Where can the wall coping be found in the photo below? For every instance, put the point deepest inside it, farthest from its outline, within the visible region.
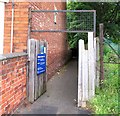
(11, 55)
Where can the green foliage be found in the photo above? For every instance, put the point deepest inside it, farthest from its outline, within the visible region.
(109, 54)
(106, 99)
(73, 39)
(107, 13)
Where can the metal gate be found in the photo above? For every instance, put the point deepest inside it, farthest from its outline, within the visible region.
(83, 22)
(86, 20)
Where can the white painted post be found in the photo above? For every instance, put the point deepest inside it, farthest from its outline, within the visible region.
(2, 10)
(81, 47)
(86, 74)
(91, 65)
(84, 77)
(95, 56)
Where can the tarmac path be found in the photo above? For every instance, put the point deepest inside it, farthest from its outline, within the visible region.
(61, 95)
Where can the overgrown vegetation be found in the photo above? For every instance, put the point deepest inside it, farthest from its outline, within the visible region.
(106, 100)
(107, 13)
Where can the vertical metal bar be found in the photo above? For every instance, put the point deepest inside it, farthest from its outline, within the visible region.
(101, 54)
(95, 23)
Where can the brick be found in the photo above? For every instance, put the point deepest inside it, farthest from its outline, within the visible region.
(20, 26)
(15, 69)
(12, 89)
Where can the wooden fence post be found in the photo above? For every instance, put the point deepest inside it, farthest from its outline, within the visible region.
(31, 71)
(91, 65)
(36, 76)
(45, 73)
(84, 77)
(101, 36)
(81, 47)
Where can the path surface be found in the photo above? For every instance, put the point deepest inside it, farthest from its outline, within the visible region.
(61, 94)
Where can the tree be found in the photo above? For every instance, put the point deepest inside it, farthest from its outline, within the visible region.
(107, 13)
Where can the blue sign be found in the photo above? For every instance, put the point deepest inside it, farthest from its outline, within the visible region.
(41, 63)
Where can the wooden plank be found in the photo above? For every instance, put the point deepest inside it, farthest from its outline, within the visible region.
(31, 71)
(39, 79)
(28, 51)
(94, 52)
(81, 47)
(85, 76)
(42, 75)
(39, 85)
(36, 76)
(91, 65)
(45, 74)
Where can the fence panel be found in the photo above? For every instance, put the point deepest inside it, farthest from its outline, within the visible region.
(36, 82)
(86, 70)
(31, 70)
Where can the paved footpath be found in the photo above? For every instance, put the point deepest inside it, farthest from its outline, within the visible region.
(61, 94)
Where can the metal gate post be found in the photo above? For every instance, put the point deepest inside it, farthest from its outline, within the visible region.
(101, 54)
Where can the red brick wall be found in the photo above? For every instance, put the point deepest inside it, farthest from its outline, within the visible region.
(12, 83)
(20, 34)
(57, 42)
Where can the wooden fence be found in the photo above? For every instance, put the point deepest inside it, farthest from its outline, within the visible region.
(87, 70)
(36, 85)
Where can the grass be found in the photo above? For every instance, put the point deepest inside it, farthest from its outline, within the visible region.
(106, 99)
